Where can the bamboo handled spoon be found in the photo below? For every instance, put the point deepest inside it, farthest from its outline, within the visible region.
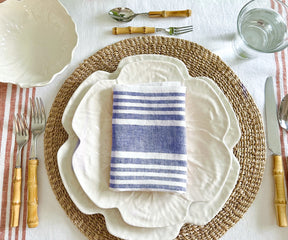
(283, 122)
(122, 14)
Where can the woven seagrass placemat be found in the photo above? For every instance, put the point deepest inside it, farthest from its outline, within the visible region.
(250, 150)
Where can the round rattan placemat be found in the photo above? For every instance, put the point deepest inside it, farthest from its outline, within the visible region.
(250, 150)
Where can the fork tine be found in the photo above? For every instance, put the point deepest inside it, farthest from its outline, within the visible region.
(43, 114)
(22, 126)
(37, 110)
(25, 125)
(181, 32)
(41, 110)
(25, 122)
(37, 106)
(184, 27)
(32, 106)
(16, 124)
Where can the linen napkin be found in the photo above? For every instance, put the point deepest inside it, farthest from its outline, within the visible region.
(148, 138)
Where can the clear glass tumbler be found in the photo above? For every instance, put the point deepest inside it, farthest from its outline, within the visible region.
(261, 28)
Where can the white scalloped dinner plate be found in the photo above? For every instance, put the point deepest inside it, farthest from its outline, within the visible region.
(206, 210)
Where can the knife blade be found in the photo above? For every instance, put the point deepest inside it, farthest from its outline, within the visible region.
(273, 141)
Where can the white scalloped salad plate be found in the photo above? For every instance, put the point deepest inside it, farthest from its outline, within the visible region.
(95, 110)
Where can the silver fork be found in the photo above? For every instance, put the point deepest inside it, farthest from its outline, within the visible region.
(38, 123)
(175, 30)
(146, 30)
(22, 136)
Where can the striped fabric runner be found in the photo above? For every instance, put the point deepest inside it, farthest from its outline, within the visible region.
(149, 138)
(13, 100)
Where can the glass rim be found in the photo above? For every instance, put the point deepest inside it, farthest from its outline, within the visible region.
(241, 35)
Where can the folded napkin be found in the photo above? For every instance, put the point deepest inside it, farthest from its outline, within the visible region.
(148, 138)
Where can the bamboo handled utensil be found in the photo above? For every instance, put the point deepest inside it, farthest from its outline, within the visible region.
(38, 123)
(147, 30)
(273, 139)
(280, 199)
(122, 14)
(22, 136)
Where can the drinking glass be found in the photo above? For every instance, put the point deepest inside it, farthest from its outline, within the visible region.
(261, 28)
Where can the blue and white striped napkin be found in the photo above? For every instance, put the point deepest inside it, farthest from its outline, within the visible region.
(148, 138)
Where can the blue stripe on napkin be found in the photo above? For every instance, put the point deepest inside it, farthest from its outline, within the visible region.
(148, 108)
(158, 139)
(148, 148)
(174, 179)
(148, 186)
(148, 116)
(169, 94)
(146, 170)
(147, 101)
(149, 161)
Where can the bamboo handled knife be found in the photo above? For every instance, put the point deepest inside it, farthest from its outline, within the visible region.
(273, 140)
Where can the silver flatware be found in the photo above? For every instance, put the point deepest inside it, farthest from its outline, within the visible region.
(122, 14)
(38, 123)
(147, 30)
(283, 113)
(22, 136)
(273, 140)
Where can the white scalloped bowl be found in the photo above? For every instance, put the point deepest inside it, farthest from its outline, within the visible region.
(37, 41)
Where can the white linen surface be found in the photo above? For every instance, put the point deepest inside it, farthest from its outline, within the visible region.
(214, 26)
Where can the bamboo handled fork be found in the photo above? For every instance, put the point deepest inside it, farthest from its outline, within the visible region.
(22, 136)
(147, 30)
(38, 123)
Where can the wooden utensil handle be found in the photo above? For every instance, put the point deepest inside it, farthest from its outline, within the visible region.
(164, 14)
(32, 219)
(16, 197)
(280, 199)
(130, 30)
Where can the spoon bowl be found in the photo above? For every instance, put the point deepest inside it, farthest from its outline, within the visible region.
(122, 14)
(283, 113)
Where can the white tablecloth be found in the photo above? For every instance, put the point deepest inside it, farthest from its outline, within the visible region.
(214, 27)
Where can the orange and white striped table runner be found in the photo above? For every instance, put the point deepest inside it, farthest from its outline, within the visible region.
(13, 100)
